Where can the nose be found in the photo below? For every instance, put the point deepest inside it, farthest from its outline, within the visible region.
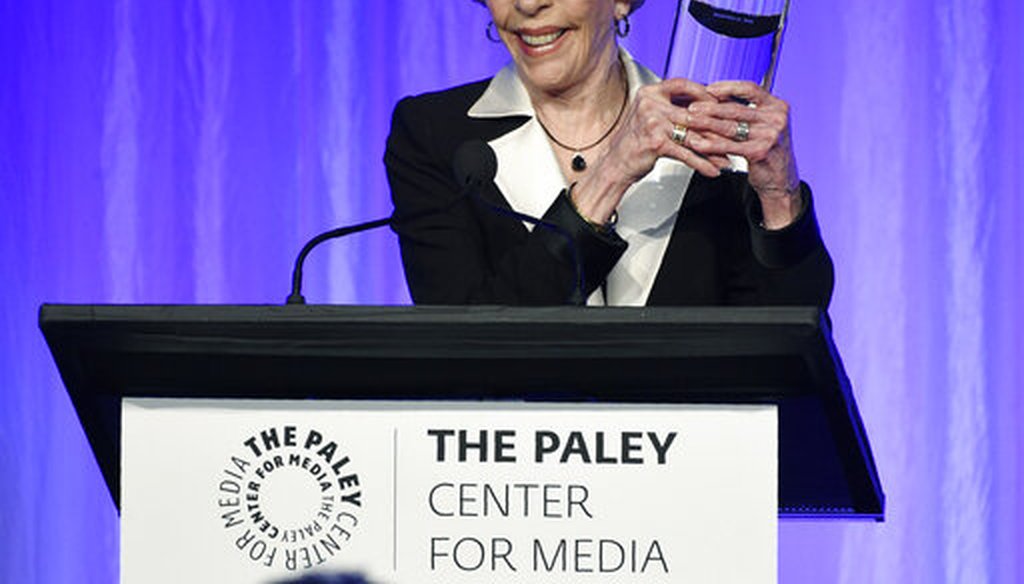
(532, 7)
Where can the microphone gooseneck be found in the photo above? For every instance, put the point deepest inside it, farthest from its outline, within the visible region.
(296, 295)
(475, 166)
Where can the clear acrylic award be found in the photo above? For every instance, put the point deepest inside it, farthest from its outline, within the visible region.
(719, 40)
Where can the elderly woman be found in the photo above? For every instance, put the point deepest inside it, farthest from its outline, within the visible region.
(635, 171)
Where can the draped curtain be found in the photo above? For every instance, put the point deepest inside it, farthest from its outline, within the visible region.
(181, 151)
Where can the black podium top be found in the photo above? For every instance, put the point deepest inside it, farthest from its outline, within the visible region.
(781, 356)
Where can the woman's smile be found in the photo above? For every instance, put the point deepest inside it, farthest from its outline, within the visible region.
(540, 41)
(560, 45)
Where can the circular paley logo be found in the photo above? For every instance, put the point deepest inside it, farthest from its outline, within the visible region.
(289, 497)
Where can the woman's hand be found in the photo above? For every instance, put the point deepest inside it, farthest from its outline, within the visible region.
(759, 132)
(644, 135)
(646, 132)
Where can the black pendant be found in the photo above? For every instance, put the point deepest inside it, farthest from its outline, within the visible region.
(578, 163)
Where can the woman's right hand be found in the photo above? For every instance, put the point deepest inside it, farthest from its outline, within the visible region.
(644, 136)
(646, 133)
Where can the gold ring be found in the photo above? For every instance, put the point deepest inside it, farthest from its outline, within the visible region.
(679, 134)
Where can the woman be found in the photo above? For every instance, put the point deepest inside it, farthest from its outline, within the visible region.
(630, 168)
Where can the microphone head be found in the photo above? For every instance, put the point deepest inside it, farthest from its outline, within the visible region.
(474, 163)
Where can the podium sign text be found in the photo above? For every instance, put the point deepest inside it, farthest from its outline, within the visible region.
(237, 491)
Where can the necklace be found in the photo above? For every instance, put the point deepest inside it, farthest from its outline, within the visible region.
(579, 164)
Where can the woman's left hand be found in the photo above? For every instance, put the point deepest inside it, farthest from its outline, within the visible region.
(759, 132)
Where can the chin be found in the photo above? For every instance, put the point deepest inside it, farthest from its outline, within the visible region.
(551, 77)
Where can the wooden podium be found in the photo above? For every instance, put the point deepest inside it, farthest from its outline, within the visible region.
(524, 378)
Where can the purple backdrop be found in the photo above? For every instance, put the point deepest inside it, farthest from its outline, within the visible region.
(181, 150)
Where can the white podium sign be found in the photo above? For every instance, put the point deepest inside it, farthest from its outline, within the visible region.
(233, 491)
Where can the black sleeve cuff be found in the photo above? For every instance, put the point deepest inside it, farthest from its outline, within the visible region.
(576, 242)
(784, 247)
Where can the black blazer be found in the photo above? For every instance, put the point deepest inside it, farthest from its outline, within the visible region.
(464, 250)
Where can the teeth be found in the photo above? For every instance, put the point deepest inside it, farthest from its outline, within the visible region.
(540, 40)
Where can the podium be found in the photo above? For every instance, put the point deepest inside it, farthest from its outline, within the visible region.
(387, 363)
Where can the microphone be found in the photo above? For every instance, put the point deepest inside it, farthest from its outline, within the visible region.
(474, 166)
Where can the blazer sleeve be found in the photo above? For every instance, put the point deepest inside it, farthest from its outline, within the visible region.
(789, 266)
(469, 249)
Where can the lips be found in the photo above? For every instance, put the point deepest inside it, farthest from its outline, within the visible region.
(539, 41)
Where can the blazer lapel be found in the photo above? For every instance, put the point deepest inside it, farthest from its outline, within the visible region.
(528, 174)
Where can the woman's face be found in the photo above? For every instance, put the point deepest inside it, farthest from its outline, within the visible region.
(558, 44)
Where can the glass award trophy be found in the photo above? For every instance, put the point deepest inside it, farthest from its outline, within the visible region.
(719, 40)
